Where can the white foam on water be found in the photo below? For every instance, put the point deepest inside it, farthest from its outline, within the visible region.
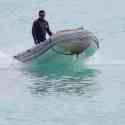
(6, 60)
(96, 59)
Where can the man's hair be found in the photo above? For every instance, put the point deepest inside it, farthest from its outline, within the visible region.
(41, 11)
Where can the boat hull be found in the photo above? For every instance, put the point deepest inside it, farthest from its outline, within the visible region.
(61, 48)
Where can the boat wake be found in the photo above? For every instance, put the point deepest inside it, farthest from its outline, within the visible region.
(98, 60)
(6, 61)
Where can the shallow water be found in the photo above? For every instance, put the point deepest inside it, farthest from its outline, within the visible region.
(91, 93)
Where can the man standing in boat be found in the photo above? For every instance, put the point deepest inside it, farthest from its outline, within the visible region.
(40, 28)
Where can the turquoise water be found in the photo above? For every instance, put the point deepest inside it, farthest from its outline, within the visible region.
(88, 93)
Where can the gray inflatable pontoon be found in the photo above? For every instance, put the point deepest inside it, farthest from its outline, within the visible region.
(67, 42)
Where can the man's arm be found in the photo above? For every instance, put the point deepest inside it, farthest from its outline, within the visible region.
(34, 30)
(48, 30)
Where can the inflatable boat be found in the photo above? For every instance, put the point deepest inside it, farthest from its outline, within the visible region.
(62, 45)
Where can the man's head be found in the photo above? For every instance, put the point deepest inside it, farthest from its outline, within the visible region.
(42, 14)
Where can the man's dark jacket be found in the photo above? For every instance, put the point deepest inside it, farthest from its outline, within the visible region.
(39, 29)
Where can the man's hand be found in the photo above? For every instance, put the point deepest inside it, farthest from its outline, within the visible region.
(36, 42)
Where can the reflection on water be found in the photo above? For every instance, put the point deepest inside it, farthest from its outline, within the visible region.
(68, 81)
